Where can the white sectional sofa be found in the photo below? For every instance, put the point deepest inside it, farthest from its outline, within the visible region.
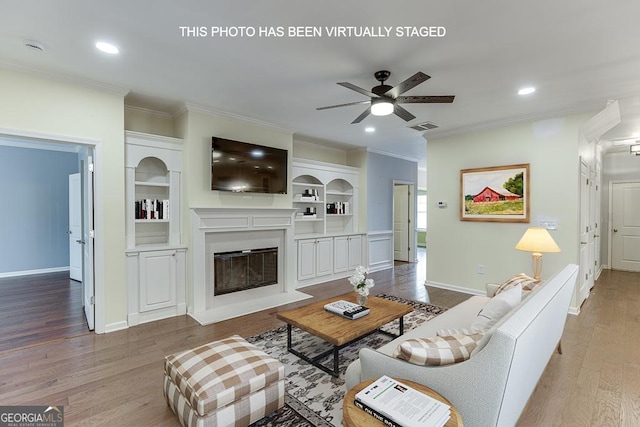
(493, 386)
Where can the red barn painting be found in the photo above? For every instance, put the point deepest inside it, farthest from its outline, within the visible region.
(489, 194)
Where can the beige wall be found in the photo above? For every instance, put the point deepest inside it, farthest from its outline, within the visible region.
(148, 121)
(197, 128)
(34, 104)
(308, 150)
(457, 247)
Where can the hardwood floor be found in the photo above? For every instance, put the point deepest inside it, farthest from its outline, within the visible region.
(39, 308)
(116, 379)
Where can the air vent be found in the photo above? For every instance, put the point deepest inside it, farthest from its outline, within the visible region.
(420, 127)
(32, 44)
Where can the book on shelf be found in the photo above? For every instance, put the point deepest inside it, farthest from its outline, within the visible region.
(338, 208)
(398, 405)
(347, 309)
(152, 209)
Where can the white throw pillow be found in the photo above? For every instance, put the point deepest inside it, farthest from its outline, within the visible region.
(497, 307)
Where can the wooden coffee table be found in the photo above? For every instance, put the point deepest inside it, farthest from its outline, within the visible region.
(355, 417)
(338, 331)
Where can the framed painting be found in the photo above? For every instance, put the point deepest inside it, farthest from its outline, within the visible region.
(497, 194)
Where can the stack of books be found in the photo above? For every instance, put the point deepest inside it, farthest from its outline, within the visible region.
(398, 405)
(347, 309)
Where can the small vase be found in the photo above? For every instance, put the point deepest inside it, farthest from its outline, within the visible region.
(362, 300)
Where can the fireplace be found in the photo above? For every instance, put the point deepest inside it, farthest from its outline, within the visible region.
(237, 271)
(245, 239)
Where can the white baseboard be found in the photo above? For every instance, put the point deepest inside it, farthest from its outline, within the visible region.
(30, 272)
(116, 326)
(455, 288)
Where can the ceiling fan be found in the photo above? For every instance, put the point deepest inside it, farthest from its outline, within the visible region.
(385, 99)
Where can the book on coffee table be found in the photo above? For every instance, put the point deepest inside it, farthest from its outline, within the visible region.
(397, 404)
(347, 309)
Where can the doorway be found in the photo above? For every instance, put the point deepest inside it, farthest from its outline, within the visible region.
(404, 228)
(83, 268)
(625, 226)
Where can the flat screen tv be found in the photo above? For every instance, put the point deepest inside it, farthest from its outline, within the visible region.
(247, 168)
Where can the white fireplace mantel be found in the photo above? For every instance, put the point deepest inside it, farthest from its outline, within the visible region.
(207, 224)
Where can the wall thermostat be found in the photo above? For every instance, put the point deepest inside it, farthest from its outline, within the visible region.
(442, 204)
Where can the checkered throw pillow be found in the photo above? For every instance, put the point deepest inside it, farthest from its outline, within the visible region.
(528, 283)
(438, 351)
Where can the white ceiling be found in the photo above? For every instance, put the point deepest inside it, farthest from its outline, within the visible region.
(577, 53)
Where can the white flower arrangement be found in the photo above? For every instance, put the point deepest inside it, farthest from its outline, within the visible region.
(360, 282)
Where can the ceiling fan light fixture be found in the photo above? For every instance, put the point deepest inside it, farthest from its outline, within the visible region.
(527, 90)
(381, 107)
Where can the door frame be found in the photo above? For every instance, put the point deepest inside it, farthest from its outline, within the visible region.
(413, 240)
(98, 206)
(610, 225)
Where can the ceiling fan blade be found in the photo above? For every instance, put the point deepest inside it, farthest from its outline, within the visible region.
(362, 116)
(427, 99)
(402, 113)
(410, 83)
(344, 105)
(357, 89)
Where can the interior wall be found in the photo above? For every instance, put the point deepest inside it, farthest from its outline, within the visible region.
(196, 129)
(457, 248)
(321, 153)
(36, 104)
(148, 121)
(35, 212)
(382, 171)
(615, 167)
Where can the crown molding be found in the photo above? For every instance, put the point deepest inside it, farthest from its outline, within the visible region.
(149, 111)
(595, 105)
(388, 154)
(205, 109)
(65, 78)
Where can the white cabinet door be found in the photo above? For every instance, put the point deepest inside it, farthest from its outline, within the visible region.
(340, 254)
(324, 256)
(306, 259)
(355, 251)
(157, 280)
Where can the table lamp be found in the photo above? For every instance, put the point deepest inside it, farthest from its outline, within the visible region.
(537, 240)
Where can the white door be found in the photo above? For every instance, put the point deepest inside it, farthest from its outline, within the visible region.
(75, 227)
(340, 254)
(324, 257)
(401, 222)
(88, 291)
(355, 251)
(625, 226)
(583, 278)
(306, 259)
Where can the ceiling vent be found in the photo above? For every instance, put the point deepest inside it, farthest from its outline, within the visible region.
(420, 127)
(32, 44)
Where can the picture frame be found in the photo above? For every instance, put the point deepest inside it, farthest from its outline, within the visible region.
(495, 194)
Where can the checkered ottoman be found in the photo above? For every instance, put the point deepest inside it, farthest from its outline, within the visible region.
(224, 383)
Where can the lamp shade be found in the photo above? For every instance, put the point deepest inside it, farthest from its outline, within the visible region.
(537, 239)
(381, 107)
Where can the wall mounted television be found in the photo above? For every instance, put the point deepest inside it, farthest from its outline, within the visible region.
(242, 167)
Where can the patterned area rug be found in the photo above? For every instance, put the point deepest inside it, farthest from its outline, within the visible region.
(313, 397)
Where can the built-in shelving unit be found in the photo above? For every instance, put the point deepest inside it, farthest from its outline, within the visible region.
(156, 257)
(329, 245)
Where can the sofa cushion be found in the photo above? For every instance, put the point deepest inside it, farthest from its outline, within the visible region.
(497, 307)
(527, 283)
(438, 350)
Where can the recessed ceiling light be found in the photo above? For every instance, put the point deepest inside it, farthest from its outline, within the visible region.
(107, 48)
(370, 129)
(526, 90)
